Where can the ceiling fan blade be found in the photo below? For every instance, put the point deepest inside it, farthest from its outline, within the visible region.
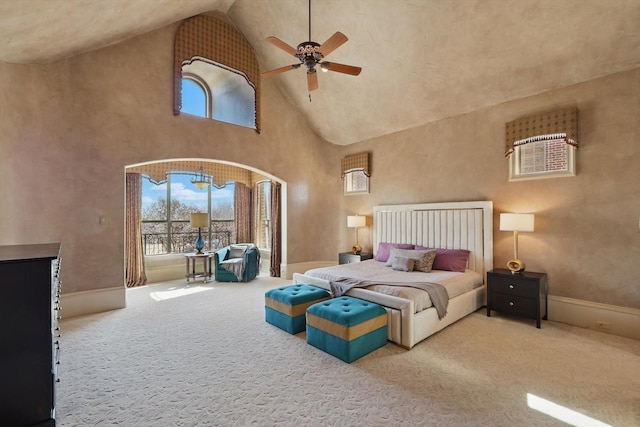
(334, 42)
(341, 68)
(280, 70)
(312, 80)
(282, 45)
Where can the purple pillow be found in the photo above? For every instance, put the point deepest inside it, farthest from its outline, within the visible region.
(450, 259)
(384, 250)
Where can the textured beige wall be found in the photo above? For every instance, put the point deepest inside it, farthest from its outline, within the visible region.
(70, 128)
(587, 236)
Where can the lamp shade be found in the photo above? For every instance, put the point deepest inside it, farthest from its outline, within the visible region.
(354, 221)
(516, 222)
(199, 220)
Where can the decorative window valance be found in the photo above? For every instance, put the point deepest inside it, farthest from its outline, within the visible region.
(221, 173)
(559, 124)
(218, 41)
(356, 162)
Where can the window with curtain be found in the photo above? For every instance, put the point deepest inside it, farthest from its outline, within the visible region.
(216, 92)
(167, 209)
(542, 145)
(220, 56)
(355, 173)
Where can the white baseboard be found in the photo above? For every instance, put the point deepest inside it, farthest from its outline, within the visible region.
(95, 301)
(611, 319)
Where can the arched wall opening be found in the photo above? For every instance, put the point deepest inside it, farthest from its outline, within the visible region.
(172, 266)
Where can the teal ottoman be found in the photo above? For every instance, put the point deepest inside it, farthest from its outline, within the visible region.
(285, 307)
(346, 327)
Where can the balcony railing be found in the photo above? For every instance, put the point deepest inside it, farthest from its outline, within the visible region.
(158, 243)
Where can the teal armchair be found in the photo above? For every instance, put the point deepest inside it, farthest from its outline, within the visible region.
(237, 263)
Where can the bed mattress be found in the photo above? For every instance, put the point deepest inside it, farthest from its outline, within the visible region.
(454, 282)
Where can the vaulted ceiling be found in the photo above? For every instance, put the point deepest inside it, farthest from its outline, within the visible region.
(422, 60)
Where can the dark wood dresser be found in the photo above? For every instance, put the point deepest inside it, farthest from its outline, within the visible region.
(29, 356)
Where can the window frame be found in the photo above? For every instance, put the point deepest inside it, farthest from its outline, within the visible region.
(515, 163)
(169, 221)
(348, 182)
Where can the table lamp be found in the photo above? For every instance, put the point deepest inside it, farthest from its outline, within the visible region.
(516, 222)
(356, 221)
(199, 221)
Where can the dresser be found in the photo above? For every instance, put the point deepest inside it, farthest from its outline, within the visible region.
(521, 294)
(30, 286)
(349, 257)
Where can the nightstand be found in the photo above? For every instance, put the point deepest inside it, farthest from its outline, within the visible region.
(521, 294)
(349, 257)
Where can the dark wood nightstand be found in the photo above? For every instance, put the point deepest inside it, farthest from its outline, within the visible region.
(349, 257)
(522, 294)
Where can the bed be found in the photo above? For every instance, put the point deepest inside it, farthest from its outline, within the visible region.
(453, 225)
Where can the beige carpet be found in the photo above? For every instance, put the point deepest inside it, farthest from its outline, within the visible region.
(202, 355)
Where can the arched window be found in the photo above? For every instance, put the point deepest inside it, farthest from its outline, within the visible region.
(227, 94)
(216, 52)
(195, 97)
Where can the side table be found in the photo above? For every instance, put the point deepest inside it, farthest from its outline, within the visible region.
(191, 260)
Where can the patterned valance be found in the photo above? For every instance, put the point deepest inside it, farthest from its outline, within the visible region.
(221, 172)
(559, 124)
(218, 41)
(355, 162)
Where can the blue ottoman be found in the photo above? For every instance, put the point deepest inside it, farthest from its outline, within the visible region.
(346, 327)
(285, 307)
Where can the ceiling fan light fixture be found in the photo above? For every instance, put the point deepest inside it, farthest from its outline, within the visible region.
(310, 54)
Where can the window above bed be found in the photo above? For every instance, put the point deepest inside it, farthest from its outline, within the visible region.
(355, 173)
(543, 145)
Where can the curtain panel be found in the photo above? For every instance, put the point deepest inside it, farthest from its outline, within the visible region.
(276, 233)
(243, 213)
(134, 252)
(355, 162)
(558, 124)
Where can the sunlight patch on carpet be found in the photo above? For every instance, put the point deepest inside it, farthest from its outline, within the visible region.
(562, 413)
(177, 292)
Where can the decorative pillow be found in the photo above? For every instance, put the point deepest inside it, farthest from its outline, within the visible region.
(450, 259)
(403, 264)
(384, 249)
(237, 251)
(423, 258)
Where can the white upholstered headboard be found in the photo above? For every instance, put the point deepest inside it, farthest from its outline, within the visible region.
(453, 225)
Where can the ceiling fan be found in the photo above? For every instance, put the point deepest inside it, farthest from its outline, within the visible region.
(310, 54)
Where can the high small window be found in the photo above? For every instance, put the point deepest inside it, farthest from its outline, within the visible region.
(542, 145)
(356, 182)
(551, 158)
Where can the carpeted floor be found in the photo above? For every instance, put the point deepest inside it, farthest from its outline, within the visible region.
(202, 355)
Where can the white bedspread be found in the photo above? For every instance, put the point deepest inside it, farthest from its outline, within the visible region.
(455, 283)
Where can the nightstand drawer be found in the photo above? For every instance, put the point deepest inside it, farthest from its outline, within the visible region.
(350, 257)
(514, 286)
(514, 304)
